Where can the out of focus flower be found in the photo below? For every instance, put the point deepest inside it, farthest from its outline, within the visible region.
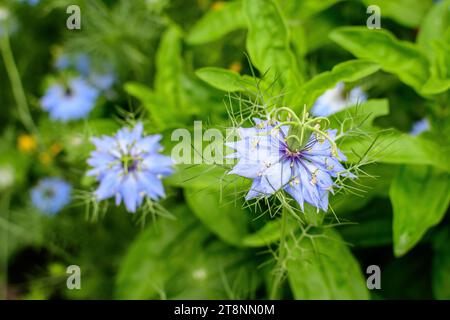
(30, 2)
(79, 62)
(236, 66)
(70, 102)
(336, 99)
(129, 167)
(6, 176)
(217, 5)
(306, 173)
(420, 126)
(103, 81)
(26, 143)
(50, 195)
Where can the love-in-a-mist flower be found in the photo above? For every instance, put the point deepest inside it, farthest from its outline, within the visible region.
(129, 167)
(30, 2)
(337, 99)
(420, 126)
(70, 102)
(306, 172)
(80, 62)
(50, 195)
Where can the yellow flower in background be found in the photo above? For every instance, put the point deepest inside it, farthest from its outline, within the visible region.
(236, 66)
(26, 143)
(217, 5)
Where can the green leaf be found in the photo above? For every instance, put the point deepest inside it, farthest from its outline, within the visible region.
(385, 146)
(169, 67)
(322, 268)
(216, 23)
(420, 196)
(361, 115)
(226, 80)
(392, 146)
(155, 265)
(441, 266)
(434, 26)
(439, 81)
(146, 268)
(269, 233)
(201, 176)
(220, 212)
(398, 57)
(348, 71)
(371, 226)
(162, 116)
(409, 13)
(304, 9)
(268, 43)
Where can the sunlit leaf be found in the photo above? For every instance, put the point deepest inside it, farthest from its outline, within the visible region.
(323, 267)
(217, 23)
(420, 195)
(401, 58)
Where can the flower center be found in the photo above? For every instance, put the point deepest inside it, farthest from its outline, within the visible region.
(289, 154)
(129, 163)
(49, 193)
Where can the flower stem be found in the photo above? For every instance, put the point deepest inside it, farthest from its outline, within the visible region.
(16, 84)
(279, 269)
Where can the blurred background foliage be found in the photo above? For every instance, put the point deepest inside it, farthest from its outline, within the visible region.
(174, 62)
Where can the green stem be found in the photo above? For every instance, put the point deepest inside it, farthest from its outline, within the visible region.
(16, 84)
(279, 267)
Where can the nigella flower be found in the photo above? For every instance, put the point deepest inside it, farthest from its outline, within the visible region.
(336, 99)
(306, 174)
(70, 102)
(80, 62)
(31, 2)
(420, 126)
(51, 195)
(103, 81)
(129, 167)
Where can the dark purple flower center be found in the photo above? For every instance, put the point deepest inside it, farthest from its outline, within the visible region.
(49, 193)
(288, 154)
(129, 163)
(68, 91)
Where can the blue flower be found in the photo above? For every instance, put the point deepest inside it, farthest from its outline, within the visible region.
(103, 81)
(70, 103)
(306, 174)
(31, 2)
(129, 167)
(51, 195)
(335, 100)
(420, 126)
(80, 62)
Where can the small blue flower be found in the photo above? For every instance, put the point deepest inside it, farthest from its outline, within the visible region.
(51, 195)
(307, 174)
(335, 100)
(31, 2)
(103, 81)
(420, 126)
(79, 62)
(70, 103)
(129, 167)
